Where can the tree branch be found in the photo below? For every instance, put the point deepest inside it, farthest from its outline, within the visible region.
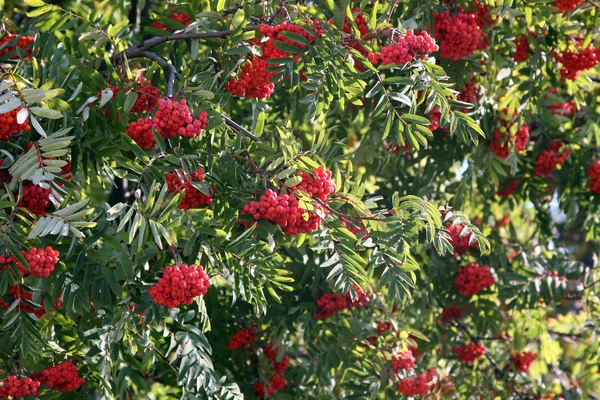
(169, 68)
(238, 128)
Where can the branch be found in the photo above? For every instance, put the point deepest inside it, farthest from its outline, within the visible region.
(238, 128)
(167, 67)
(155, 41)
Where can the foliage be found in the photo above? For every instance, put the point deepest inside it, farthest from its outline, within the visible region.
(480, 158)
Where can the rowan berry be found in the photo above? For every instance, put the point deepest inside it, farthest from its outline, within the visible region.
(549, 160)
(472, 279)
(192, 197)
(593, 173)
(566, 5)
(180, 284)
(452, 313)
(460, 244)
(242, 339)
(141, 133)
(35, 198)
(174, 119)
(459, 35)
(404, 360)
(573, 62)
(14, 387)
(10, 126)
(419, 386)
(62, 377)
(470, 353)
(523, 361)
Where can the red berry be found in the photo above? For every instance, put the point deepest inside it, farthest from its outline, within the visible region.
(470, 353)
(459, 35)
(406, 48)
(9, 125)
(472, 279)
(174, 118)
(141, 133)
(419, 386)
(452, 313)
(35, 198)
(14, 387)
(242, 339)
(192, 197)
(573, 62)
(170, 293)
(404, 360)
(523, 360)
(62, 377)
(550, 159)
(565, 5)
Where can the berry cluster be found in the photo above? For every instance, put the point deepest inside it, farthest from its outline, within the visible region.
(180, 284)
(284, 209)
(330, 304)
(14, 387)
(17, 292)
(141, 133)
(472, 279)
(435, 116)
(459, 35)
(183, 17)
(548, 160)
(419, 386)
(320, 187)
(22, 41)
(359, 20)
(573, 62)
(63, 377)
(147, 96)
(383, 327)
(508, 188)
(275, 383)
(484, 16)
(41, 261)
(10, 126)
(405, 49)
(354, 228)
(564, 109)
(523, 50)
(35, 198)
(504, 139)
(593, 173)
(174, 118)
(452, 313)
(566, 5)
(404, 360)
(470, 353)
(254, 81)
(242, 339)
(460, 244)
(523, 360)
(192, 197)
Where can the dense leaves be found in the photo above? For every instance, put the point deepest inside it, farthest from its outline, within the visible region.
(331, 199)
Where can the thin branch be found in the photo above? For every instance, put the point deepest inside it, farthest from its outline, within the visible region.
(238, 128)
(597, 5)
(169, 68)
(155, 41)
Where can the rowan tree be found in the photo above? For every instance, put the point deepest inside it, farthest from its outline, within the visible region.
(230, 199)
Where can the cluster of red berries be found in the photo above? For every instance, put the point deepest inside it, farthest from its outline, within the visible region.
(62, 377)
(141, 133)
(593, 173)
(354, 228)
(508, 188)
(459, 35)
(403, 360)
(505, 220)
(18, 292)
(10, 126)
(452, 313)
(383, 327)
(277, 381)
(523, 361)
(472, 279)
(14, 387)
(320, 187)
(180, 284)
(523, 50)
(460, 244)
(35, 198)
(548, 160)
(470, 353)
(435, 116)
(566, 5)
(573, 62)
(242, 339)
(284, 209)
(22, 42)
(148, 96)
(359, 20)
(504, 140)
(41, 261)
(405, 49)
(254, 81)
(564, 109)
(192, 197)
(484, 16)
(330, 304)
(469, 93)
(419, 386)
(183, 17)
(174, 118)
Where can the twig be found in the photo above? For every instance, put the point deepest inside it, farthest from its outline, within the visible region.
(238, 128)
(155, 41)
(597, 5)
(167, 67)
